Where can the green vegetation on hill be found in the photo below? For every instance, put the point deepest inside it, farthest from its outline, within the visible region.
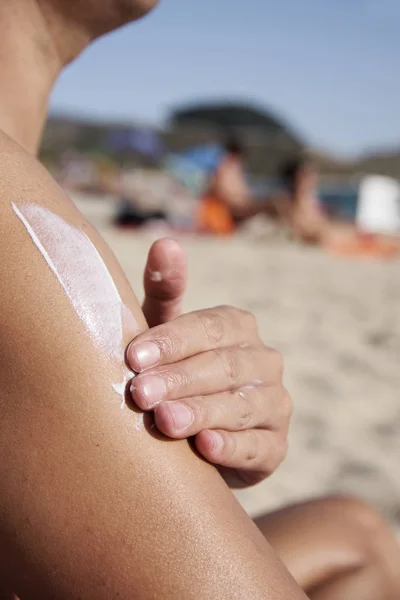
(235, 117)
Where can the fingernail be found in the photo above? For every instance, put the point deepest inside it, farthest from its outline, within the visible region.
(153, 389)
(182, 416)
(144, 355)
(217, 440)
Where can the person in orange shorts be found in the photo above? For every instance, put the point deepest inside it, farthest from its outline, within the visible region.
(228, 200)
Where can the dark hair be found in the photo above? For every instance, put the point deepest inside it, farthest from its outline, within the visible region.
(232, 145)
(289, 171)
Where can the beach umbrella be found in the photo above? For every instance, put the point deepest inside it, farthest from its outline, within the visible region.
(205, 157)
(193, 166)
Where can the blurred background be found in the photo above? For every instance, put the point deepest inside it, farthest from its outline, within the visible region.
(136, 131)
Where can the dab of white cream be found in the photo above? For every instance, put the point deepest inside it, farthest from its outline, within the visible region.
(86, 281)
(155, 276)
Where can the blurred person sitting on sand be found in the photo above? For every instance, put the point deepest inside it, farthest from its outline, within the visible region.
(297, 202)
(228, 200)
(298, 206)
(97, 502)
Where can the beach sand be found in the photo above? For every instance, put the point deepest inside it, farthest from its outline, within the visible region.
(337, 324)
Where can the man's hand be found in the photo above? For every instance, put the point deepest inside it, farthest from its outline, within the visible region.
(207, 374)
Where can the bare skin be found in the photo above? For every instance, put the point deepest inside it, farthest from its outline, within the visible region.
(308, 222)
(90, 506)
(35, 46)
(40, 37)
(77, 479)
(221, 385)
(229, 185)
(215, 532)
(336, 548)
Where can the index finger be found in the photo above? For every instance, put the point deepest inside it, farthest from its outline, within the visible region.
(191, 334)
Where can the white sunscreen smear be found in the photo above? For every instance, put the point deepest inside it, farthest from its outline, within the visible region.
(86, 281)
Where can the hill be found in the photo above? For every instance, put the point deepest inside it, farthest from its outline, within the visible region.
(268, 140)
(384, 163)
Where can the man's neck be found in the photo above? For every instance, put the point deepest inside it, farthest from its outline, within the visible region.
(33, 51)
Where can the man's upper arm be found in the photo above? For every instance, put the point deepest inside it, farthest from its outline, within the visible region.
(92, 504)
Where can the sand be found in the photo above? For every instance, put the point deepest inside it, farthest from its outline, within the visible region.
(337, 324)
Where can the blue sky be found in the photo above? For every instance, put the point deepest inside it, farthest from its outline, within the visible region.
(330, 68)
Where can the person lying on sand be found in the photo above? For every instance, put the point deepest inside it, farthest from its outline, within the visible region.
(95, 502)
(300, 209)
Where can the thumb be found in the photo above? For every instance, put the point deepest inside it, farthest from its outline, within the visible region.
(165, 279)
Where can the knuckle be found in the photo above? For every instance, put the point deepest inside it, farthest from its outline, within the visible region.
(274, 455)
(176, 379)
(249, 320)
(211, 326)
(229, 361)
(275, 362)
(226, 312)
(237, 316)
(252, 447)
(241, 316)
(169, 342)
(253, 363)
(203, 412)
(245, 411)
(287, 405)
(231, 447)
(260, 354)
(283, 403)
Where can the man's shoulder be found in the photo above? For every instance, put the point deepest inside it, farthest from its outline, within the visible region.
(16, 164)
(23, 178)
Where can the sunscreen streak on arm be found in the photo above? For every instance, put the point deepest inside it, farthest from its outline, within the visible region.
(85, 279)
